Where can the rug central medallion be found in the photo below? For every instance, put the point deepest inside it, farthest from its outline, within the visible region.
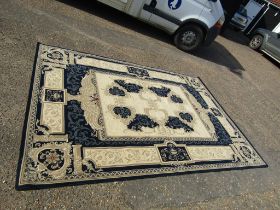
(131, 109)
(92, 118)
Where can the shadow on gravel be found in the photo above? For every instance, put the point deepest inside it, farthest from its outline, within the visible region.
(235, 36)
(215, 53)
(103, 11)
(239, 37)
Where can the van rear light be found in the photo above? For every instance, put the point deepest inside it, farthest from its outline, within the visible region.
(220, 22)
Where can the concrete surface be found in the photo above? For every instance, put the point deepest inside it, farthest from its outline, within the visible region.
(244, 82)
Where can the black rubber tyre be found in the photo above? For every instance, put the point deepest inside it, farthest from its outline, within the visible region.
(256, 42)
(189, 37)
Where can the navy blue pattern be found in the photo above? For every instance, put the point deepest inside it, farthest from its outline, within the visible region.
(138, 72)
(89, 167)
(176, 123)
(186, 116)
(79, 131)
(222, 134)
(172, 153)
(52, 158)
(140, 121)
(116, 91)
(54, 95)
(162, 92)
(74, 75)
(130, 87)
(124, 112)
(176, 99)
(216, 112)
(196, 95)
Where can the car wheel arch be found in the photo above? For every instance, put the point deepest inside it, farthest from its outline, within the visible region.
(262, 42)
(196, 22)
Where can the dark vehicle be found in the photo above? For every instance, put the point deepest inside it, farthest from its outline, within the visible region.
(240, 18)
(267, 42)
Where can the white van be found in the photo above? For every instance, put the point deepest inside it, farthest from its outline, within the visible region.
(192, 22)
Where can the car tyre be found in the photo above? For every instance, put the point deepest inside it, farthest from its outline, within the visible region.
(256, 42)
(189, 37)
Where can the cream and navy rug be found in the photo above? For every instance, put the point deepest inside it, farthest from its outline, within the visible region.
(92, 118)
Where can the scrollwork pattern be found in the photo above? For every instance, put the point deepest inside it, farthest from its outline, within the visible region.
(78, 129)
(74, 75)
(196, 95)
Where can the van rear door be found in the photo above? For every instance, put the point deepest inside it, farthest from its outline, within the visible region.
(169, 14)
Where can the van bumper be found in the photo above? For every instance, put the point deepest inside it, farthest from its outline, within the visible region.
(211, 35)
(237, 24)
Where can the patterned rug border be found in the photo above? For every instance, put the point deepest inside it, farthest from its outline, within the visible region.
(104, 180)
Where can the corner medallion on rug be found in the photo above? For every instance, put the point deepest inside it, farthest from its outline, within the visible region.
(93, 118)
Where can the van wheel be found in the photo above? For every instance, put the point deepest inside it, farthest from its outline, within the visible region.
(256, 42)
(188, 37)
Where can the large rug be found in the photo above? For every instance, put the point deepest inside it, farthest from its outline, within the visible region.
(92, 118)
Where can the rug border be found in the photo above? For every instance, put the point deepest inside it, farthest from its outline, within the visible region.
(266, 165)
(75, 183)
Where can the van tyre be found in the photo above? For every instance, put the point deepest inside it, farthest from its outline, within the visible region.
(256, 42)
(189, 37)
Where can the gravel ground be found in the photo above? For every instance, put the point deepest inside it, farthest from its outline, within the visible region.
(245, 82)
